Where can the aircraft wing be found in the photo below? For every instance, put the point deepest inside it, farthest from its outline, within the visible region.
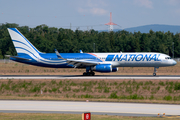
(77, 63)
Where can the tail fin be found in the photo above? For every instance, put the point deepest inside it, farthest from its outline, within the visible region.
(21, 44)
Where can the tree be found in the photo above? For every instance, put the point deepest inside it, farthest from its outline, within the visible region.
(46, 39)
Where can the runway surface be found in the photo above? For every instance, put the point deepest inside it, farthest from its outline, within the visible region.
(175, 77)
(109, 108)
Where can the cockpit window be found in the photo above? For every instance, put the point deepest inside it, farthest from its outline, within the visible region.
(167, 57)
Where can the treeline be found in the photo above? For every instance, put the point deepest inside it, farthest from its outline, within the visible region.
(46, 39)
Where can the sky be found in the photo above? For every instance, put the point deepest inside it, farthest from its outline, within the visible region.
(89, 14)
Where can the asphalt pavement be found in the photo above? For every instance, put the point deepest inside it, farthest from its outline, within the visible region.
(109, 108)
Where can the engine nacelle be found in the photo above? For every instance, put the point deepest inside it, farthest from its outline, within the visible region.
(103, 68)
(114, 69)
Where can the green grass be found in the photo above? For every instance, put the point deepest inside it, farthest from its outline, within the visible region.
(113, 95)
(36, 88)
(86, 96)
(54, 89)
(106, 89)
(121, 89)
(161, 83)
(53, 82)
(168, 97)
(177, 86)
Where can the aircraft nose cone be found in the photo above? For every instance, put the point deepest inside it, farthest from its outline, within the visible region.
(174, 62)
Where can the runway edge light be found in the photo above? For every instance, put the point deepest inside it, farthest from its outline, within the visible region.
(163, 114)
(86, 116)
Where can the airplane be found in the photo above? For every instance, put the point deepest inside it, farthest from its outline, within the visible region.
(99, 62)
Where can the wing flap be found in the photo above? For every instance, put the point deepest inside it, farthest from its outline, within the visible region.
(84, 62)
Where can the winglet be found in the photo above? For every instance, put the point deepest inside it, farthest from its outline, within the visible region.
(58, 55)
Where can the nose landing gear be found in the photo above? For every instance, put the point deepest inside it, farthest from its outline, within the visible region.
(154, 74)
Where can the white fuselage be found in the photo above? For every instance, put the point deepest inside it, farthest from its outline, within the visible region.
(138, 59)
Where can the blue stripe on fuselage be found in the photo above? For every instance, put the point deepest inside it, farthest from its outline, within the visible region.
(52, 57)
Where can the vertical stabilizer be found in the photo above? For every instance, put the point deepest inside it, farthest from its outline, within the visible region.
(21, 44)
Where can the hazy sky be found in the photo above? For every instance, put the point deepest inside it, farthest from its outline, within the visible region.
(89, 14)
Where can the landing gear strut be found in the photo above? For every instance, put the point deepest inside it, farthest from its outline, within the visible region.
(154, 74)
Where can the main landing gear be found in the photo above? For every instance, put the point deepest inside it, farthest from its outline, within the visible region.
(88, 73)
(154, 74)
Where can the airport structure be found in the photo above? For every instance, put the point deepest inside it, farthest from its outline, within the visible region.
(110, 23)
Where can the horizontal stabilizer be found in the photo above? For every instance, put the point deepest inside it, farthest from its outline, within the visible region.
(20, 58)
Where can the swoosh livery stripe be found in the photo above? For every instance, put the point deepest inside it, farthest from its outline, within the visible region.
(22, 50)
(18, 43)
(18, 37)
(22, 45)
(96, 56)
(15, 30)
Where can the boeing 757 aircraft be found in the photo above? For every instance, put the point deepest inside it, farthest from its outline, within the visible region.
(100, 62)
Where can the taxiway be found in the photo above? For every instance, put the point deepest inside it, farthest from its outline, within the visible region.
(109, 108)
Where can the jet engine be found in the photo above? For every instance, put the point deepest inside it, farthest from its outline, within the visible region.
(103, 68)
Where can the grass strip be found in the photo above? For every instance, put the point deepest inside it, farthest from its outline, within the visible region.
(49, 116)
(158, 91)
